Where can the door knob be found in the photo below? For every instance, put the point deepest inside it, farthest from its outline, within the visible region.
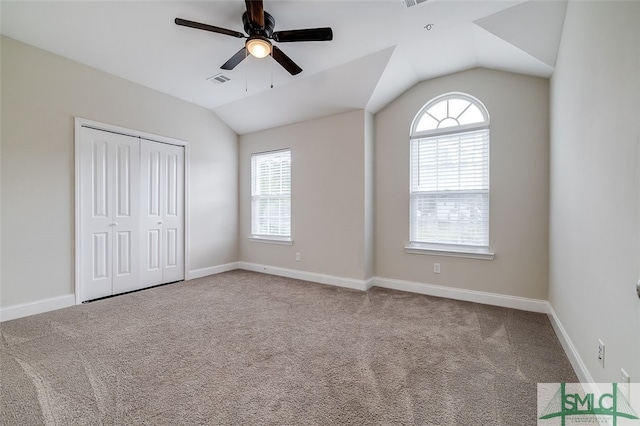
(113, 224)
(160, 223)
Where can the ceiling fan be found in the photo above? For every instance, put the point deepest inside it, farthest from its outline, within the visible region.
(259, 26)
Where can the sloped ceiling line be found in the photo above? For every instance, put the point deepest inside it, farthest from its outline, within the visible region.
(380, 49)
(534, 27)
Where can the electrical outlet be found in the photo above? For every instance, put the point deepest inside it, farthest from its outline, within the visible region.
(298, 257)
(436, 268)
(601, 353)
(625, 384)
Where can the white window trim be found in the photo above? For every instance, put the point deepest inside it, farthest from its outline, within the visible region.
(444, 132)
(285, 241)
(468, 252)
(269, 239)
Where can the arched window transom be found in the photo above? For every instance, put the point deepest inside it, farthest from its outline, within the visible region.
(451, 110)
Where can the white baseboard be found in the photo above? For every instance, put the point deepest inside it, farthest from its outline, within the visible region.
(574, 358)
(533, 305)
(39, 306)
(522, 303)
(212, 270)
(370, 283)
(308, 276)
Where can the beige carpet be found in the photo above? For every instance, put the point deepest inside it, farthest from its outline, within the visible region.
(242, 348)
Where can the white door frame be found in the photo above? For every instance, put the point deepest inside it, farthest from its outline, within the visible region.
(82, 122)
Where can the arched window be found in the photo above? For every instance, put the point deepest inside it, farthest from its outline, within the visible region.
(450, 174)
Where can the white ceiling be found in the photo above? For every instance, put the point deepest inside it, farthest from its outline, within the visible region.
(380, 49)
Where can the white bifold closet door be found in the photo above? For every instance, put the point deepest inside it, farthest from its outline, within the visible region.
(162, 219)
(131, 213)
(110, 216)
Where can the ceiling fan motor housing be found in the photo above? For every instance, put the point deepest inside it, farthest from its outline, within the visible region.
(252, 29)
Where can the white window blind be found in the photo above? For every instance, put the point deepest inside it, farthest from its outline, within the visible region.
(271, 195)
(450, 188)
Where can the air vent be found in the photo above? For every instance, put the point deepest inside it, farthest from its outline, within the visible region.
(219, 79)
(410, 3)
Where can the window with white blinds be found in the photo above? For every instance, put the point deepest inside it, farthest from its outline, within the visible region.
(450, 173)
(271, 195)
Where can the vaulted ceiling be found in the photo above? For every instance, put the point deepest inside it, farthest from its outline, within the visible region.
(379, 49)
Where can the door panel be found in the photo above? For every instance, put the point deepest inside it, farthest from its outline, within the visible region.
(109, 169)
(173, 214)
(150, 218)
(172, 182)
(126, 224)
(95, 240)
(153, 261)
(153, 176)
(100, 259)
(123, 186)
(98, 177)
(172, 248)
(162, 221)
(123, 253)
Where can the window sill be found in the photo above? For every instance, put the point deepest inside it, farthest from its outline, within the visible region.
(451, 251)
(272, 240)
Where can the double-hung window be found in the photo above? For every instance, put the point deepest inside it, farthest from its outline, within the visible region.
(271, 196)
(450, 177)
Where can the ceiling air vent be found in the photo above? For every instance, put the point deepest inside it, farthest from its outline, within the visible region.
(410, 3)
(219, 78)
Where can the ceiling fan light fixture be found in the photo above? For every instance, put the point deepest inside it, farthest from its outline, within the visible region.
(259, 26)
(258, 46)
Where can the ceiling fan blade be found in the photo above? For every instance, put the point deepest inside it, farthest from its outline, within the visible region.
(310, 34)
(255, 12)
(235, 59)
(199, 26)
(285, 61)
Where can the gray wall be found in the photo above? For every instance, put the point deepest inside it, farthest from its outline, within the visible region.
(328, 192)
(595, 185)
(41, 95)
(519, 110)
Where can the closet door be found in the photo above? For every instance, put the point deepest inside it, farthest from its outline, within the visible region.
(109, 223)
(162, 218)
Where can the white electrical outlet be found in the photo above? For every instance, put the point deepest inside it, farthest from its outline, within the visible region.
(298, 257)
(601, 353)
(625, 384)
(436, 268)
